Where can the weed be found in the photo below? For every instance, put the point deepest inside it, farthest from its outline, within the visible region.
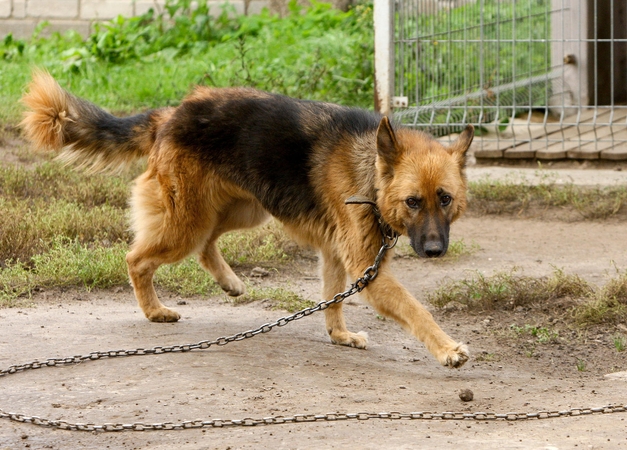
(498, 197)
(608, 305)
(487, 357)
(505, 290)
(460, 248)
(542, 334)
(620, 343)
(581, 365)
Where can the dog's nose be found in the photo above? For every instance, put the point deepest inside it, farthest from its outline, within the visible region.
(433, 249)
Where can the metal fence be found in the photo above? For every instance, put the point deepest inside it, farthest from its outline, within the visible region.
(543, 79)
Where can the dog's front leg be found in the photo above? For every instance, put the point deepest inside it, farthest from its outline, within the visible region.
(392, 300)
(334, 281)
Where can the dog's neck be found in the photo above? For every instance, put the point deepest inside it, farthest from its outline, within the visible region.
(386, 229)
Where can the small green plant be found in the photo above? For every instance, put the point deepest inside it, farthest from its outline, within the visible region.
(581, 365)
(487, 357)
(543, 335)
(459, 248)
(620, 343)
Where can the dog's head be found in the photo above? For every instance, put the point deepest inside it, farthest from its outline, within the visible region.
(421, 185)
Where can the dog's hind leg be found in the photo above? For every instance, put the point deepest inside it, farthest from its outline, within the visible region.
(211, 259)
(236, 215)
(334, 281)
(164, 234)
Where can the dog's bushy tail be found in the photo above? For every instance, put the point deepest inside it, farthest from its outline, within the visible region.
(87, 135)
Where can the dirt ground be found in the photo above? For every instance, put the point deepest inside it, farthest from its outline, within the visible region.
(296, 370)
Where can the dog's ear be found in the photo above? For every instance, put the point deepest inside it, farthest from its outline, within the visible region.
(462, 144)
(387, 146)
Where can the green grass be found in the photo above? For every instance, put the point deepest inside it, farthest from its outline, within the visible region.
(507, 197)
(186, 278)
(47, 201)
(453, 52)
(268, 243)
(507, 290)
(317, 53)
(65, 263)
(59, 227)
(277, 298)
(608, 305)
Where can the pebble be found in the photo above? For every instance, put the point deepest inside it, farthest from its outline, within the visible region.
(466, 395)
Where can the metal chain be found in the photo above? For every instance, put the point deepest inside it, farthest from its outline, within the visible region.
(359, 285)
(301, 418)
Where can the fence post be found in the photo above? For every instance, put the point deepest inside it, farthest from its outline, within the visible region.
(569, 51)
(383, 55)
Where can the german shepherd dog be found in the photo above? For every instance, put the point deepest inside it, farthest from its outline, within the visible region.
(229, 158)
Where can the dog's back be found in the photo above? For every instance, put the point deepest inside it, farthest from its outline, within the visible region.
(266, 143)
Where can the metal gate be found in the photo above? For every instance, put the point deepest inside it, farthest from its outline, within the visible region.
(543, 79)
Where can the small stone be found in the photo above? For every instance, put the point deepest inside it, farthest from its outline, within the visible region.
(466, 395)
(259, 272)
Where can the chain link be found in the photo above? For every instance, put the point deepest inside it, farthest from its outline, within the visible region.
(389, 241)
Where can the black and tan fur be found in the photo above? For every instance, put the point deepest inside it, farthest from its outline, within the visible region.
(230, 158)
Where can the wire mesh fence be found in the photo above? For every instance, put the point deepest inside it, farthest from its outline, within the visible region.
(540, 79)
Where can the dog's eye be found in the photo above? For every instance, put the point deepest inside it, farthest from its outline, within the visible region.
(413, 202)
(446, 200)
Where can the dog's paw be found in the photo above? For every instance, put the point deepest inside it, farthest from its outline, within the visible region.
(163, 314)
(234, 287)
(356, 340)
(455, 356)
